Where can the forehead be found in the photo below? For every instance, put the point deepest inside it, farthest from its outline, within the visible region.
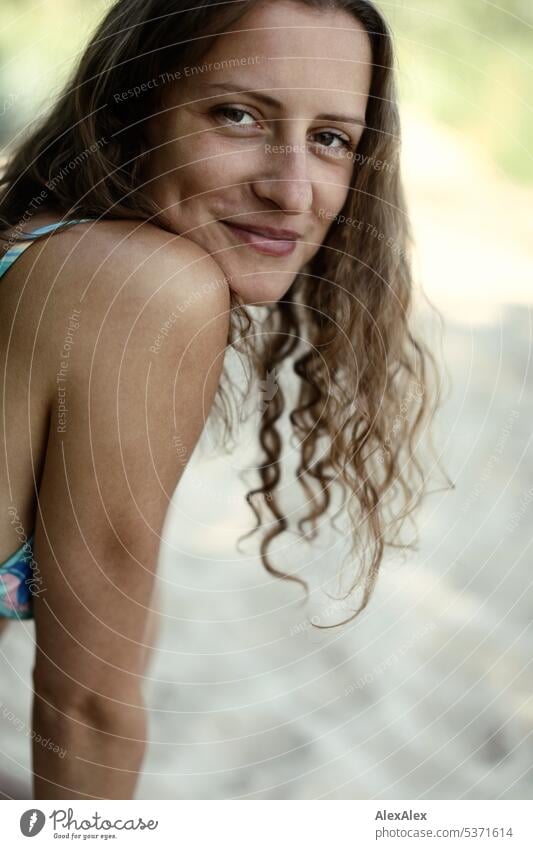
(284, 44)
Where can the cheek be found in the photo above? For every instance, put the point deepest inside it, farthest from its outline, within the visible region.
(329, 202)
(209, 167)
(340, 194)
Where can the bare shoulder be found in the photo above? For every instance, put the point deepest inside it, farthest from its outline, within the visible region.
(128, 284)
(108, 257)
(139, 328)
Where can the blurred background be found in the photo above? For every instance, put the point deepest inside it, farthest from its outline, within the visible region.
(428, 694)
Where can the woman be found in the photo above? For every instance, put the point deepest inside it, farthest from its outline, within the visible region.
(199, 162)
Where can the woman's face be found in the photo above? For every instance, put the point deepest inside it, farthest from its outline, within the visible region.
(261, 134)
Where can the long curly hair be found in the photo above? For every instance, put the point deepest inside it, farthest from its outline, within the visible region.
(367, 387)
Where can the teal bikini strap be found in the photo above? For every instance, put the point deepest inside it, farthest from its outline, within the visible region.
(7, 260)
(48, 228)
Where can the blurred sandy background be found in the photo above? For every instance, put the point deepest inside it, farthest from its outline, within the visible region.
(429, 694)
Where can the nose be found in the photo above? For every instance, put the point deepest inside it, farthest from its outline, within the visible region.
(284, 179)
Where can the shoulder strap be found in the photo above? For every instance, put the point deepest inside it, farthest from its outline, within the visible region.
(17, 249)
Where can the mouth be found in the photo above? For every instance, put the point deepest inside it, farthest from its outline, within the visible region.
(265, 240)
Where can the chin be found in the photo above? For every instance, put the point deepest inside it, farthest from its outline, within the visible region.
(256, 287)
(253, 291)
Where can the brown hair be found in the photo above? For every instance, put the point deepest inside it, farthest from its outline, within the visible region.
(365, 379)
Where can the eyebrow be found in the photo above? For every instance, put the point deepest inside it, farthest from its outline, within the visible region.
(271, 101)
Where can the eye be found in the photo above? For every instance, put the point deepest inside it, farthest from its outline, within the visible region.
(345, 142)
(232, 114)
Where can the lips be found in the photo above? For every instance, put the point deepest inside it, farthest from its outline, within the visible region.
(265, 240)
(268, 232)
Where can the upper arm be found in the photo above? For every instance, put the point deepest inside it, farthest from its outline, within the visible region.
(142, 372)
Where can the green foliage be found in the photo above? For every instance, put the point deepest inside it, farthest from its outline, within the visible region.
(468, 63)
